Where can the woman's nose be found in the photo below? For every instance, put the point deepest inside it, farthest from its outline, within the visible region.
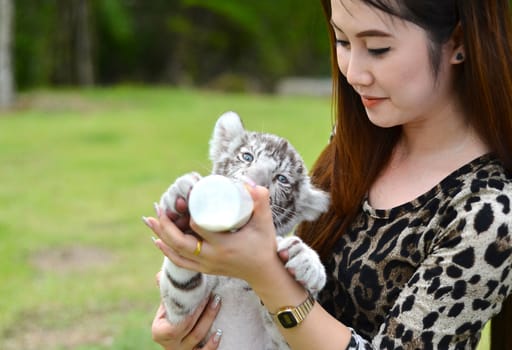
(358, 72)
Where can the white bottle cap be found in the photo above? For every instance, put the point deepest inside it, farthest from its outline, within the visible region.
(218, 204)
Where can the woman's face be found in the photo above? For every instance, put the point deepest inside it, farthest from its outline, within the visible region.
(386, 60)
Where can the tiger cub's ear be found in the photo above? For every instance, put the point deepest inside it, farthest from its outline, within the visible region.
(228, 127)
(312, 202)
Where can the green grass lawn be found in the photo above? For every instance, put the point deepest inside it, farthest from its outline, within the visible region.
(78, 169)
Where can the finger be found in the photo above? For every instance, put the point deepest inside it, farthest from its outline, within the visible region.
(160, 312)
(158, 275)
(204, 324)
(205, 234)
(173, 237)
(163, 332)
(176, 245)
(191, 320)
(213, 341)
(153, 224)
(178, 259)
(157, 228)
(261, 197)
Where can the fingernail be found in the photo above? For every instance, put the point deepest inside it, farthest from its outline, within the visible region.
(248, 181)
(157, 209)
(217, 336)
(216, 302)
(157, 243)
(147, 222)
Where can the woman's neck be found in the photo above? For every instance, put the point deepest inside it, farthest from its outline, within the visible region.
(421, 159)
(444, 135)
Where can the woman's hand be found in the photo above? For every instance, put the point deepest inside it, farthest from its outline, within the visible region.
(188, 334)
(247, 254)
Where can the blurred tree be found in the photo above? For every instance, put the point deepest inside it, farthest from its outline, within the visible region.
(167, 41)
(261, 39)
(82, 46)
(212, 38)
(73, 50)
(33, 49)
(117, 41)
(6, 34)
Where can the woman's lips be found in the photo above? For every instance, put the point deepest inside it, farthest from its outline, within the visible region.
(370, 102)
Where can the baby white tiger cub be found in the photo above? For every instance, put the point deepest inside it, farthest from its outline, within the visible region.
(272, 162)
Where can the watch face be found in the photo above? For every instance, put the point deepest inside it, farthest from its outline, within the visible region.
(287, 319)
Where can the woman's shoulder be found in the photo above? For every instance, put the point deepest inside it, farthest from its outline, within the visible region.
(481, 199)
(484, 175)
(477, 197)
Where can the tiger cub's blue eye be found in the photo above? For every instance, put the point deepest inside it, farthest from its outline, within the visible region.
(282, 179)
(246, 156)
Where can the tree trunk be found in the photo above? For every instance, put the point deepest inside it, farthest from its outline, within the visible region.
(82, 47)
(6, 71)
(73, 57)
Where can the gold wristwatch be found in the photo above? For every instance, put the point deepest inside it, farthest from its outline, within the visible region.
(292, 316)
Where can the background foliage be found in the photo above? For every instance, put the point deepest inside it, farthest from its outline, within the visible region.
(244, 43)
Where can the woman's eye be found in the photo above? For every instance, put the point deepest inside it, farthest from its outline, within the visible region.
(342, 43)
(378, 52)
(374, 52)
(246, 156)
(282, 179)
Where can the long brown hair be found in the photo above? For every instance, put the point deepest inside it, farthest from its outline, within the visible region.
(359, 150)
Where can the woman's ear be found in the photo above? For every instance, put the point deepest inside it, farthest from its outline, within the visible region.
(458, 54)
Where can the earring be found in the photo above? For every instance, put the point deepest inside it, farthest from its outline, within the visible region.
(459, 57)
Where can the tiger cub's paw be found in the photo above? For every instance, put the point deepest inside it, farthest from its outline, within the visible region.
(304, 263)
(180, 188)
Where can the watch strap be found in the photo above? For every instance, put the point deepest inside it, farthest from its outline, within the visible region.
(292, 316)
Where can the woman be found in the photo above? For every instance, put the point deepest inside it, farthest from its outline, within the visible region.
(417, 243)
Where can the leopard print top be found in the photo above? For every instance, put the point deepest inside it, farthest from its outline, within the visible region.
(430, 273)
